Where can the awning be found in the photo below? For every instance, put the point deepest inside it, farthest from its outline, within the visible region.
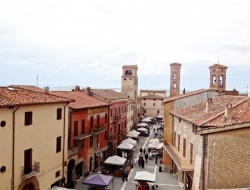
(182, 163)
(81, 137)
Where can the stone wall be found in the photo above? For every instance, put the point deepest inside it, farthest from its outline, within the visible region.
(229, 159)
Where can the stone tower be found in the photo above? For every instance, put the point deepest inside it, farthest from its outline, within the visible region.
(175, 78)
(218, 77)
(130, 82)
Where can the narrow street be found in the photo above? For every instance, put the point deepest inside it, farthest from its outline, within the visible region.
(164, 180)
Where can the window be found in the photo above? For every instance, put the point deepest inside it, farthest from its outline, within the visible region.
(82, 145)
(98, 119)
(28, 118)
(83, 126)
(174, 85)
(178, 142)
(106, 118)
(110, 112)
(194, 128)
(58, 174)
(105, 135)
(175, 75)
(191, 153)
(59, 113)
(75, 128)
(179, 120)
(58, 144)
(184, 147)
(3, 123)
(91, 141)
(91, 122)
(27, 161)
(153, 104)
(174, 138)
(144, 104)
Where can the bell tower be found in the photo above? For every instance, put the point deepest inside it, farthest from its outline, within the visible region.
(218, 77)
(130, 82)
(175, 79)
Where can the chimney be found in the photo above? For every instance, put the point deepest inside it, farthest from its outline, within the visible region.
(77, 88)
(229, 111)
(209, 104)
(46, 90)
(88, 91)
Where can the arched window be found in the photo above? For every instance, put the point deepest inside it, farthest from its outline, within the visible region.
(175, 75)
(174, 85)
(214, 80)
(221, 80)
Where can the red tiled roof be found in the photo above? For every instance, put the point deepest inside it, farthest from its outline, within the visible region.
(185, 95)
(27, 87)
(107, 94)
(152, 96)
(82, 100)
(197, 114)
(15, 96)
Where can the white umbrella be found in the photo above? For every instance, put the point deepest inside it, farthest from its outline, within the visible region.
(130, 141)
(145, 176)
(145, 120)
(125, 146)
(156, 145)
(141, 129)
(150, 118)
(160, 145)
(133, 135)
(115, 160)
(153, 140)
(142, 125)
(135, 132)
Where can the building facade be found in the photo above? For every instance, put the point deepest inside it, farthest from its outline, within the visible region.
(151, 102)
(204, 148)
(130, 115)
(33, 139)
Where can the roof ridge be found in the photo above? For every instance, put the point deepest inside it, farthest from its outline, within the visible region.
(222, 112)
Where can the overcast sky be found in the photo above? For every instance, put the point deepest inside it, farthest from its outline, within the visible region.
(86, 43)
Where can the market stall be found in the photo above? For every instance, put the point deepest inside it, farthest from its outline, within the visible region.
(142, 178)
(98, 181)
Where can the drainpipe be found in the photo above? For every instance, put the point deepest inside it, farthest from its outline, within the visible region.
(64, 138)
(13, 150)
(203, 163)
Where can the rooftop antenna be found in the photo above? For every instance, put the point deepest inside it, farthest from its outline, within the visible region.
(37, 79)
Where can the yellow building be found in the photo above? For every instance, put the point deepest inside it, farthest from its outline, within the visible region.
(33, 138)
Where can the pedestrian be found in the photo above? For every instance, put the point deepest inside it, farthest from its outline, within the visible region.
(144, 151)
(139, 162)
(141, 150)
(146, 157)
(142, 163)
(124, 175)
(156, 159)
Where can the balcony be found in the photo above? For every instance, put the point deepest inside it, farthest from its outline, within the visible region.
(72, 151)
(35, 168)
(116, 118)
(90, 132)
(112, 138)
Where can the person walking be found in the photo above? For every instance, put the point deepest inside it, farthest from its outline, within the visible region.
(146, 157)
(141, 150)
(124, 175)
(156, 159)
(142, 162)
(139, 162)
(144, 151)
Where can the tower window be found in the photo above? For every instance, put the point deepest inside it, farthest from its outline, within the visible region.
(214, 80)
(128, 72)
(221, 80)
(130, 78)
(174, 85)
(125, 79)
(175, 75)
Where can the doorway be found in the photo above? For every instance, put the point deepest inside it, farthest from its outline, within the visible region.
(90, 163)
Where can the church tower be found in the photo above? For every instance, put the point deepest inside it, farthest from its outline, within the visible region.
(218, 77)
(130, 82)
(175, 77)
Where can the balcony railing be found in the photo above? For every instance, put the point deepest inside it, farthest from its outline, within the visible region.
(35, 168)
(117, 118)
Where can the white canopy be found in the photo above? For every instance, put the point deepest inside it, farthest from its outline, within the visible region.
(150, 118)
(156, 145)
(145, 176)
(142, 125)
(135, 132)
(59, 188)
(115, 160)
(141, 129)
(146, 120)
(130, 141)
(125, 146)
(154, 140)
(133, 135)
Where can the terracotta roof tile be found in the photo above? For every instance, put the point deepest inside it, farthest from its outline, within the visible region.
(185, 95)
(198, 115)
(82, 100)
(152, 96)
(15, 96)
(108, 94)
